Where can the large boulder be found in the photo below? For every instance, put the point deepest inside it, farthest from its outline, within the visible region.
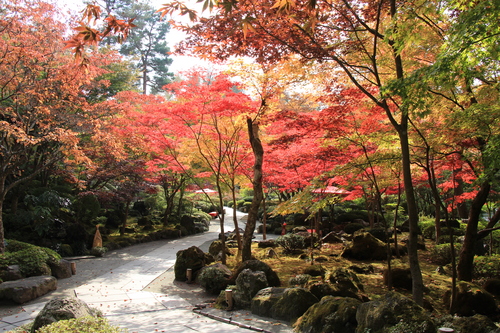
(265, 300)
(248, 284)
(393, 310)
(293, 304)
(214, 278)
(471, 300)
(256, 265)
(62, 309)
(61, 269)
(331, 314)
(193, 258)
(475, 324)
(25, 290)
(364, 246)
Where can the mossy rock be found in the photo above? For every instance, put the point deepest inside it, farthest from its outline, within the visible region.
(293, 304)
(380, 315)
(214, 278)
(331, 314)
(248, 285)
(365, 246)
(32, 260)
(256, 265)
(475, 324)
(193, 258)
(315, 270)
(471, 300)
(400, 278)
(264, 301)
(216, 248)
(345, 279)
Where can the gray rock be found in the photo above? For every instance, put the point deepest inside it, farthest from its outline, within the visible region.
(25, 290)
(62, 309)
(248, 284)
(61, 269)
(293, 304)
(11, 273)
(331, 314)
(393, 310)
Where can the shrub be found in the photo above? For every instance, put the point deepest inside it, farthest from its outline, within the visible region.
(98, 251)
(81, 325)
(487, 266)
(291, 242)
(32, 260)
(441, 254)
(213, 279)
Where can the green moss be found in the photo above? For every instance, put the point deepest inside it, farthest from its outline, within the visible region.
(81, 325)
(32, 260)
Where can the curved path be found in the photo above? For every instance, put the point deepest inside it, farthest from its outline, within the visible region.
(134, 287)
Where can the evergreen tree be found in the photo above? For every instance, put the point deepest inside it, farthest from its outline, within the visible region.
(146, 44)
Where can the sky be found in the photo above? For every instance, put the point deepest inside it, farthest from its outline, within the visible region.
(179, 63)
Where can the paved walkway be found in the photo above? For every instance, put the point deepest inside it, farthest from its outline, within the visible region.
(119, 285)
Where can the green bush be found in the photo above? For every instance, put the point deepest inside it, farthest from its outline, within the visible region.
(291, 242)
(487, 266)
(441, 254)
(81, 325)
(32, 260)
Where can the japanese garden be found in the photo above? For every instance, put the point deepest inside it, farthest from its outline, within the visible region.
(361, 139)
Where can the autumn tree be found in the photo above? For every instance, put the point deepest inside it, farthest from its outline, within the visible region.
(43, 110)
(212, 112)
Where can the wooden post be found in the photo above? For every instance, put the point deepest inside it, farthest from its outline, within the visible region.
(73, 268)
(189, 275)
(229, 299)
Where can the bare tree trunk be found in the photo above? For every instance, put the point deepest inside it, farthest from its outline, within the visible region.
(466, 258)
(258, 151)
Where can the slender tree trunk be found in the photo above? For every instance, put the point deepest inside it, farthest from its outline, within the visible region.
(416, 273)
(466, 258)
(258, 151)
(221, 219)
(235, 221)
(2, 237)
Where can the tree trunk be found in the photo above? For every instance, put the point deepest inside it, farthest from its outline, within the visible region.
(258, 152)
(2, 239)
(235, 221)
(466, 258)
(416, 273)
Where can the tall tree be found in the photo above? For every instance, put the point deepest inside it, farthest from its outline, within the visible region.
(147, 46)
